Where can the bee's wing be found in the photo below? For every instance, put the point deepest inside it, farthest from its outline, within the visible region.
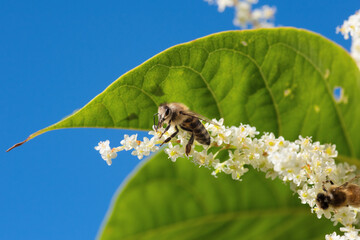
(194, 114)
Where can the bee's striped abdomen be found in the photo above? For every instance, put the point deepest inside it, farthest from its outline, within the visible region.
(194, 125)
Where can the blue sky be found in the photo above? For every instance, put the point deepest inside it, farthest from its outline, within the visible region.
(55, 57)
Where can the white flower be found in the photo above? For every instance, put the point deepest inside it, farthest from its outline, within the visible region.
(183, 137)
(223, 137)
(307, 195)
(344, 216)
(145, 147)
(268, 12)
(352, 27)
(175, 151)
(129, 142)
(350, 233)
(220, 133)
(243, 14)
(334, 236)
(224, 4)
(204, 159)
(103, 146)
(219, 167)
(234, 168)
(106, 153)
(240, 135)
(216, 128)
(109, 156)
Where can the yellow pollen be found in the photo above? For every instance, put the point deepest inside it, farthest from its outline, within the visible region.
(328, 150)
(271, 144)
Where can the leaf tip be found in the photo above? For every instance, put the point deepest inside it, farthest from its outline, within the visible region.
(17, 145)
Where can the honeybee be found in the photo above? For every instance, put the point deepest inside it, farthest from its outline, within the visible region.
(178, 114)
(344, 195)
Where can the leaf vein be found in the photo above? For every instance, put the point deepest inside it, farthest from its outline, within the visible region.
(276, 108)
(206, 83)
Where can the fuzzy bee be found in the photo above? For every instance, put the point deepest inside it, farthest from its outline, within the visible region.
(179, 115)
(344, 195)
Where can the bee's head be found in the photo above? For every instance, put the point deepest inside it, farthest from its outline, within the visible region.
(164, 115)
(323, 200)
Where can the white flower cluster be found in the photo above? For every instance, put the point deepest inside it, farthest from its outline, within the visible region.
(350, 234)
(302, 163)
(106, 153)
(140, 148)
(352, 27)
(245, 15)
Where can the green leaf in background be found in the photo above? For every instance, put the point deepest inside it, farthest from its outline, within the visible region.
(279, 80)
(166, 200)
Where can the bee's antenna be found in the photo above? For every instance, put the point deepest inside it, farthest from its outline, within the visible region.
(155, 126)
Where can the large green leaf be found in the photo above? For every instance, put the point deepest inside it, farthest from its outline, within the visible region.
(166, 200)
(279, 80)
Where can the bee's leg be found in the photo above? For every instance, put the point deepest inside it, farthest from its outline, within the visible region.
(155, 126)
(327, 181)
(166, 129)
(172, 135)
(323, 186)
(189, 144)
(354, 178)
